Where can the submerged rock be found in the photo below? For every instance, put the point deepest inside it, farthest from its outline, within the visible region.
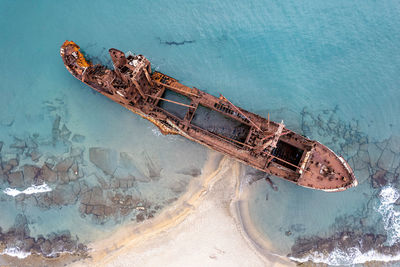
(31, 174)
(64, 165)
(47, 174)
(194, 172)
(93, 202)
(104, 158)
(386, 159)
(56, 127)
(7, 121)
(35, 155)
(78, 138)
(14, 162)
(16, 179)
(51, 247)
(153, 169)
(19, 144)
(379, 179)
(123, 183)
(346, 241)
(65, 133)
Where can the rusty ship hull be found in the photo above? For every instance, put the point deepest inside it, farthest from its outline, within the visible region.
(211, 121)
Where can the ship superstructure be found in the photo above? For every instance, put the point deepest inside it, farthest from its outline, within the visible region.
(212, 121)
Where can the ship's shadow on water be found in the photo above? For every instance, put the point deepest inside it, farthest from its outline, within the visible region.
(372, 233)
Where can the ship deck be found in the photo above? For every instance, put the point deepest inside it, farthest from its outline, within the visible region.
(212, 121)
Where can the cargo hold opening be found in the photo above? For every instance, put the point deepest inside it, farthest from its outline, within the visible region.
(175, 109)
(215, 122)
(287, 153)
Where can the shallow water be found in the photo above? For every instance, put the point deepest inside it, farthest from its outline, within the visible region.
(329, 70)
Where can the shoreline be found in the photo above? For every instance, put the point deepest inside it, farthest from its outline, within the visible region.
(204, 222)
(209, 225)
(248, 230)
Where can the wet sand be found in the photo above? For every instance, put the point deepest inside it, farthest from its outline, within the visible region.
(203, 228)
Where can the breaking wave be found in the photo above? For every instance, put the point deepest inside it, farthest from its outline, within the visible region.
(34, 189)
(349, 256)
(390, 216)
(15, 252)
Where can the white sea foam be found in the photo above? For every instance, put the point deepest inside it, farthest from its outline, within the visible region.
(390, 216)
(15, 252)
(34, 189)
(349, 257)
(156, 131)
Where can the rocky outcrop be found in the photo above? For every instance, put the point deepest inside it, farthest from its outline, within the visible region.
(346, 241)
(51, 246)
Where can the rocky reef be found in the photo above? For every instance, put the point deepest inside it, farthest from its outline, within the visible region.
(102, 184)
(348, 242)
(375, 162)
(50, 246)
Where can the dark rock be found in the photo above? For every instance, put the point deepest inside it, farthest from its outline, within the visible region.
(63, 177)
(46, 247)
(378, 179)
(78, 138)
(16, 179)
(31, 173)
(6, 168)
(98, 210)
(1, 145)
(64, 165)
(380, 239)
(47, 174)
(29, 243)
(140, 217)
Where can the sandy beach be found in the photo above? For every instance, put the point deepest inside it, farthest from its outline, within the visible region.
(202, 229)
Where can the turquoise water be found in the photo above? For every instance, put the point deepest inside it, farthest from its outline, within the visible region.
(312, 64)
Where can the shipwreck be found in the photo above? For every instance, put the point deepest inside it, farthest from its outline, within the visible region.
(212, 121)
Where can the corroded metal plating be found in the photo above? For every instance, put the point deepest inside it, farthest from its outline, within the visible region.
(215, 122)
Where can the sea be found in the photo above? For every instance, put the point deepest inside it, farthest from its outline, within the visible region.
(76, 166)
